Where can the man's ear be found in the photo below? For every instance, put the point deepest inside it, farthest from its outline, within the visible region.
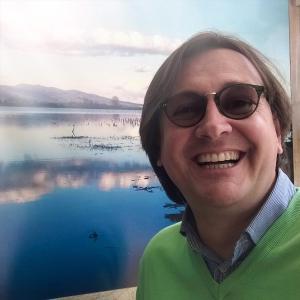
(278, 133)
(158, 163)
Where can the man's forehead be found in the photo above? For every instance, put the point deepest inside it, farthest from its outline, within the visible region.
(219, 59)
(217, 65)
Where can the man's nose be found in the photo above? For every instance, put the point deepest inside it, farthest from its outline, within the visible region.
(214, 124)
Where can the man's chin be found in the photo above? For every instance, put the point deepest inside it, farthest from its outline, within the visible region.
(219, 196)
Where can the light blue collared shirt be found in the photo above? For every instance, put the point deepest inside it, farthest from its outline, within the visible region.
(274, 206)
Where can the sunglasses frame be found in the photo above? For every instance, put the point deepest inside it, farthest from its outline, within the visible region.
(258, 88)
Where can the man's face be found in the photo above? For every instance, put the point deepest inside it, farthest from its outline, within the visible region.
(254, 141)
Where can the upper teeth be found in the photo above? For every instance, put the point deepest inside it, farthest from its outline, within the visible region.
(215, 157)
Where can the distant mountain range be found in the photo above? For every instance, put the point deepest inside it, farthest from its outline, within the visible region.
(26, 95)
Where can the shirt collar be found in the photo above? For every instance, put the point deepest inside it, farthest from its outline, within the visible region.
(274, 206)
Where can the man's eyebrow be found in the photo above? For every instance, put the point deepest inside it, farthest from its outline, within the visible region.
(184, 93)
(233, 82)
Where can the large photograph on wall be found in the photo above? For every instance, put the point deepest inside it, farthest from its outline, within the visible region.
(78, 198)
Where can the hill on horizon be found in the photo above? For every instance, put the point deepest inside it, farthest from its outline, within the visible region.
(27, 95)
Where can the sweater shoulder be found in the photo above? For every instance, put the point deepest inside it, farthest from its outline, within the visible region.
(294, 206)
(297, 194)
(286, 227)
(167, 239)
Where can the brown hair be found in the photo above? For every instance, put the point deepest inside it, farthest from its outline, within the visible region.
(163, 83)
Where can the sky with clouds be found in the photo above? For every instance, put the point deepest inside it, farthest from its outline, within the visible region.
(113, 47)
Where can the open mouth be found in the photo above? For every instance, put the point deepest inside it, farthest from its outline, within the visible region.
(221, 160)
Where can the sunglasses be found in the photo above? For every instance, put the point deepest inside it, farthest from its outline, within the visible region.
(237, 101)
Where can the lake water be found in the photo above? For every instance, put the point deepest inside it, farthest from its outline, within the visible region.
(78, 201)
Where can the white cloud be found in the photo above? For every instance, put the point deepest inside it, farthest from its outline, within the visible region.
(143, 69)
(104, 42)
(71, 41)
(60, 28)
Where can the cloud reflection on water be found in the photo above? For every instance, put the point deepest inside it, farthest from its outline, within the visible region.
(112, 180)
(30, 180)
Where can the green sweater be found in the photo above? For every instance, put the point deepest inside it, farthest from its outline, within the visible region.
(170, 270)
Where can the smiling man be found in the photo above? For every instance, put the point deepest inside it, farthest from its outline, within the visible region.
(213, 125)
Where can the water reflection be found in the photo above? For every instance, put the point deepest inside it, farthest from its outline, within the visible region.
(104, 118)
(87, 236)
(78, 203)
(61, 136)
(29, 180)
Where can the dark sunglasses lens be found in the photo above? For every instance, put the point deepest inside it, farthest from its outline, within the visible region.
(185, 109)
(239, 101)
